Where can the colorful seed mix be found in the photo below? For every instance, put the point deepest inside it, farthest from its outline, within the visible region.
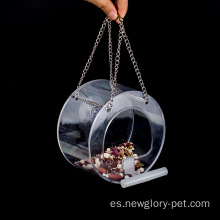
(109, 163)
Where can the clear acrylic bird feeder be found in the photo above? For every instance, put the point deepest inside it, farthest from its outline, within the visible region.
(101, 116)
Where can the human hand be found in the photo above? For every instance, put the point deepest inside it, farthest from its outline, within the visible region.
(112, 10)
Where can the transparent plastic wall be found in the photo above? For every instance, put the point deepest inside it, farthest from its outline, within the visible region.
(85, 131)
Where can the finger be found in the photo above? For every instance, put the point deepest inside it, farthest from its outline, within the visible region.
(122, 7)
(107, 6)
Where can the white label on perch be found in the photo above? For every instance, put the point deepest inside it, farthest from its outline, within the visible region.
(129, 166)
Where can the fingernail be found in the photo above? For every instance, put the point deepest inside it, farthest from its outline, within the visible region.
(112, 15)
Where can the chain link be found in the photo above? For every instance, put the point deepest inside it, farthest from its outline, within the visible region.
(110, 52)
(131, 54)
(87, 101)
(98, 39)
(113, 77)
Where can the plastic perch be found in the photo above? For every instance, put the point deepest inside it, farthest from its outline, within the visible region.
(141, 178)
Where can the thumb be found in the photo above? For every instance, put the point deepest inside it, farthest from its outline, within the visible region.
(107, 6)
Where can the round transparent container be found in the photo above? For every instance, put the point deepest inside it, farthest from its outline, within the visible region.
(86, 129)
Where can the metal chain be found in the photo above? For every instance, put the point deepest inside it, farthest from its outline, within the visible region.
(110, 52)
(87, 101)
(136, 97)
(98, 39)
(113, 77)
(138, 73)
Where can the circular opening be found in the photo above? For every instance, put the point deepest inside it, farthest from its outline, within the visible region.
(130, 125)
(128, 134)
